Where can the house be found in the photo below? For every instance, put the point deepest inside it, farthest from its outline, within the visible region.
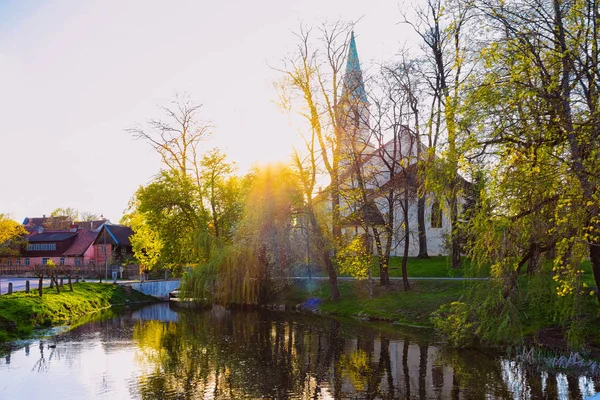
(360, 153)
(112, 243)
(69, 246)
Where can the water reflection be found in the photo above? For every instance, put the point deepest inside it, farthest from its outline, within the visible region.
(157, 353)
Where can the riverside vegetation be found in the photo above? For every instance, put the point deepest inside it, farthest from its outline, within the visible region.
(22, 313)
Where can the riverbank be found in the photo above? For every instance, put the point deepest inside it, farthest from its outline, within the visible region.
(538, 314)
(22, 313)
(390, 303)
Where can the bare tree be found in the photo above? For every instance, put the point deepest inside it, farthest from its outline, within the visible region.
(441, 28)
(314, 75)
(176, 139)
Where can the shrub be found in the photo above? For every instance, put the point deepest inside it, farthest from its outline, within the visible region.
(454, 324)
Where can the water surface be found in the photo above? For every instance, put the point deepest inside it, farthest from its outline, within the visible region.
(159, 353)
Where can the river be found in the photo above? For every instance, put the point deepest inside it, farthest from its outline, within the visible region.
(156, 352)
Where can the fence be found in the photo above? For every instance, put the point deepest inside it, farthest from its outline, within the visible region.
(94, 271)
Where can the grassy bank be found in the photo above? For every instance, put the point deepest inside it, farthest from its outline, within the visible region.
(389, 303)
(21, 313)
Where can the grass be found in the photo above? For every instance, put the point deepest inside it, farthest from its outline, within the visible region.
(389, 303)
(21, 313)
(424, 267)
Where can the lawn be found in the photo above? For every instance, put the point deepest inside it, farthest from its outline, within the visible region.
(390, 303)
(438, 266)
(21, 313)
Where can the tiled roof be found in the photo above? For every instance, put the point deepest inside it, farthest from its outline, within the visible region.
(85, 238)
(118, 234)
(121, 234)
(93, 225)
(51, 236)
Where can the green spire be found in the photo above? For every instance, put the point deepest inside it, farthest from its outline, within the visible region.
(353, 80)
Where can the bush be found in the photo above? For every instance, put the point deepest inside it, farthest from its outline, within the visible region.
(454, 323)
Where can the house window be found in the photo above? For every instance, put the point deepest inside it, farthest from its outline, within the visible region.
(45, 261)
(18, 262)
(78, 262)
(436, 215)
(103, 250)
(27, 262)
(123, 250)
(41, 247)
(9, 262)
(62, 261)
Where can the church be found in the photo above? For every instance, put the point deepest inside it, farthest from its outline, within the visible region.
(378, 179)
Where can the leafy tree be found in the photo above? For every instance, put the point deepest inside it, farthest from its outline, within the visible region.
(534, 116)
(221, 189)
(145, 242)
(261, 253)
(170, 208)
(12, 236)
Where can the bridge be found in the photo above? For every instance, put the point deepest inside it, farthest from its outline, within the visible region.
(159, 289)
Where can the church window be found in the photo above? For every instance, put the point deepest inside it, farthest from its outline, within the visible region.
(436, 215)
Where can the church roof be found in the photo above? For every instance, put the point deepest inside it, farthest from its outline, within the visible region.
(354, 87)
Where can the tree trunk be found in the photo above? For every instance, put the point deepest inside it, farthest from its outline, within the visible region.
(335, 212)
(422, 228)
(41, 286)
(406, 243)
(325, 256)
(455, 250)
(56, 284)
(70, 284)
(382, 258)
(595, 261)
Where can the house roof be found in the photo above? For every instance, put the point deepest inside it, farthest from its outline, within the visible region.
(85, 238)
(118, 234)
(93, 225)
(51, 236)
(35, 222)
(369, 211)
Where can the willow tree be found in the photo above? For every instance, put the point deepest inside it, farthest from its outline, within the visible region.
(261, 253)
(537, 113)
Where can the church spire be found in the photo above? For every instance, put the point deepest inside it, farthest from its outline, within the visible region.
(354, 87)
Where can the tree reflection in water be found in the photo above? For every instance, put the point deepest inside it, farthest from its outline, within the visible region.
(252, 354)
(221, 354)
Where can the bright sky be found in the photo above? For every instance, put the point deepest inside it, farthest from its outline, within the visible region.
(75, 73)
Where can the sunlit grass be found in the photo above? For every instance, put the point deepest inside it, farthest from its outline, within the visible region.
(21, 313)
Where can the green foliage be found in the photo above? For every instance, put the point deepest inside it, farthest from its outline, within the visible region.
(12, 236)
(455, 324)
(262, 253)
(145, 242)
(355, 259)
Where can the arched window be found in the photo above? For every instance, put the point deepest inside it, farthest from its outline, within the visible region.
(436, 215)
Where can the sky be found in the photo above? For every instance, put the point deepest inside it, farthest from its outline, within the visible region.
(74, 74)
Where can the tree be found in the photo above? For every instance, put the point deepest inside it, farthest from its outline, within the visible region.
(441, 27)
(247, 269)
(145, 242)
(306, 170)
(220, 188)
(313, 84)
(176, 139)
(12, 236)
(538, 100)
(314, 76)
(169, 207)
